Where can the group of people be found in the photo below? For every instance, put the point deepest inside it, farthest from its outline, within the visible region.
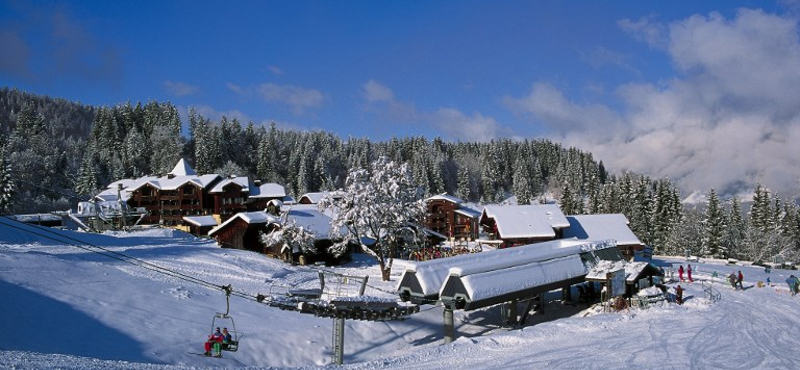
(736, 280)
(216, 341)
(688, 271)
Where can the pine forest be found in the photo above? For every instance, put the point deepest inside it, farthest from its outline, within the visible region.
(54, 153)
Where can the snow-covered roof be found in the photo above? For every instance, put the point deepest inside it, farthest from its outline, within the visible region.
(632, 270)
(183, 169)
(446, 197)
(313, 198)
(268, 190)
(469, 212)
(495, 283)
(527, 221)
(258, 217)
(201, 220)
(432, 274)
(602, 226)
(311, 219)
(243, 182)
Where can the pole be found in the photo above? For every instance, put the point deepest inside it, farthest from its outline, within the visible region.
(449, 326)
(338, 340)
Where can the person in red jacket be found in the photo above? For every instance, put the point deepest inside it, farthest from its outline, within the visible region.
(739, 280)
(680, 273)
(214, 340)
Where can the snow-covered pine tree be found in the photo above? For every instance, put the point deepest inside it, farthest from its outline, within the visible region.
(7, 186)
(522, 182)
(735, 230)
(713, 229)
(377, 204)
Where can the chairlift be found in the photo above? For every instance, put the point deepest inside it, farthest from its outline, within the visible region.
(225, 320)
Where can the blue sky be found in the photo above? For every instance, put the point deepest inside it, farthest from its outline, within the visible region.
(699, 91)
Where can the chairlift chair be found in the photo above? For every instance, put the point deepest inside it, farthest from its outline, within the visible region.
(220, 319)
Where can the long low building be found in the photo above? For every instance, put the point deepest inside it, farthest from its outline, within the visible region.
(471, 289)
(422, 282)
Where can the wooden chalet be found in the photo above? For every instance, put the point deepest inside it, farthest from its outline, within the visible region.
(602, 227)
(167, 199)
(243, 231)
(446, 216)
(525, 224)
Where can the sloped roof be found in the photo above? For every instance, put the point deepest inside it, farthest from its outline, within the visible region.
(183, 169)
(601, 226)
(201, 221)
(268, 190)
(632, 270)
(446, 197)
(313, 198)
(527, 221)
(243, 182)
(258, 217)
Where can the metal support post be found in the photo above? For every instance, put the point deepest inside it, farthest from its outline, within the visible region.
(338, 340)
(449, 326)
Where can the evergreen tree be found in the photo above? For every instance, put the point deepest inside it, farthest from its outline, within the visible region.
(7, 186)
(713, 229)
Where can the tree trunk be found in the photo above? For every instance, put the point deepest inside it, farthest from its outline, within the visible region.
(386, 272)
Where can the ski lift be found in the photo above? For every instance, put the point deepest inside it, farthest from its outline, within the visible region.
(226, 320)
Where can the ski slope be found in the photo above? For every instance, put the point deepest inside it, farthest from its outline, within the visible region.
(71, 308)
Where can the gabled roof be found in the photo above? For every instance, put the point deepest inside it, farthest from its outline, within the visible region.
(259, 217)
(183, 169)
(243, 182)
(527, 221)
(446, 197)
(602, 226)
(311, 219)
(313, 198)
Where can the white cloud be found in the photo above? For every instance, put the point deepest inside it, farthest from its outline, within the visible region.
(298, 98)
(180, 88)
(275, 70)
(235, 88)
(374, 91)
(450, 122)
(730, 117)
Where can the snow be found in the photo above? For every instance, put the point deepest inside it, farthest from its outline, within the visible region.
(70, 308)
(601, 226)
(528, 221)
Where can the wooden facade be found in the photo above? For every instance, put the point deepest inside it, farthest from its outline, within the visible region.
(240, 234)
(168, 207)
(445, 216)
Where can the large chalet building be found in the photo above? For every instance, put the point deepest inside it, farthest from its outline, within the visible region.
(169, 199)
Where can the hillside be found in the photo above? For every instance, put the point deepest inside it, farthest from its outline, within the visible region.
(72, 308)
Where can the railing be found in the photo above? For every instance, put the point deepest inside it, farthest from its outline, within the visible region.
(712, 294)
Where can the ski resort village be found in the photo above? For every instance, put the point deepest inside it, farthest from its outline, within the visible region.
(146, 272)
(410, 185)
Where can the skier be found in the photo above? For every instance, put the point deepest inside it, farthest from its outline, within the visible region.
(680, 273)
(689, 273)
(214, 340)
(679, 295)
(792, 281)
(739, 280)
(732, 280)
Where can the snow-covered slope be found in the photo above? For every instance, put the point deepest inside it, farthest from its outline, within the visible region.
(71, 308)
